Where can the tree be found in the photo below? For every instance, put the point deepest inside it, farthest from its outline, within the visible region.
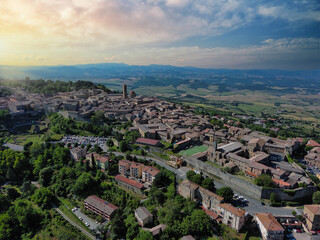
(273, 198)
(208, 184)
(27, 188)
(190, 175)
(123, 146)
(226, 193)
(45, 176)
(84, 184)
(110, 142)
(144, 235)
(316, 198)
(12, 193)
(43, 197)
(198, 178)
(294, 213)
(265, 181)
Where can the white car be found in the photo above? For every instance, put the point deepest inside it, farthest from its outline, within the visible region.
(87, 224)
(81, 218)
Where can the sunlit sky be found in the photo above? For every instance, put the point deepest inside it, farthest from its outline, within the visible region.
(282, 34)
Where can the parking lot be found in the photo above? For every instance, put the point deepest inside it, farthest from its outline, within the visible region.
(92, 225)
(84, 140)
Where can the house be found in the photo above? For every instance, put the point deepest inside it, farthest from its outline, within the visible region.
(313, 143)
(206, 198)
(232, 216)
(124, 167)
(149, 174)
(143, 216)
(102, 162)
(269, 227)
(312, 216)
(136, 169)
(129, 184)
(100, 207)
(78, 153)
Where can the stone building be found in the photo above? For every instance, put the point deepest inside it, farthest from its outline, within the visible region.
(232, 216)
(312, 216)
(269, 227)
(143, 216)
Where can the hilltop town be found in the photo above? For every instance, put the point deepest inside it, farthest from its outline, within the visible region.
(156, 144)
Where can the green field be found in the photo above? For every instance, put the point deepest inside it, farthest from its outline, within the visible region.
(194, 150)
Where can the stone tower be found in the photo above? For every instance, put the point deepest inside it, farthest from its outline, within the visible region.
(125, 93)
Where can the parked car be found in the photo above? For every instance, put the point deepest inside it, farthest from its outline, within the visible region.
(81, 218)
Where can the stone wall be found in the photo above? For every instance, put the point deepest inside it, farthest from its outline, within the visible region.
(228, 179)
(289, 195)
(246, 187)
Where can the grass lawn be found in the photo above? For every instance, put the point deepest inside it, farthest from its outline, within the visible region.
(23, 139)
(194, 150)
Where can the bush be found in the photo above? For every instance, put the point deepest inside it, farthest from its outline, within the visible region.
(292, 204)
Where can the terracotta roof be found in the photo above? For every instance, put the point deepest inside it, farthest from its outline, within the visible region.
(281, 182)
(128, 181)
(100, 204)
(252, 174)
(151, 170)
(269, 222)
(315, 209)
(313, 143)
(210, 213)
(236, 211)
(147, 141)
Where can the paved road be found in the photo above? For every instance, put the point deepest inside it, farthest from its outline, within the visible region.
(73, 223)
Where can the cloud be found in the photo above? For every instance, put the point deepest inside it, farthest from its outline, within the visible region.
(145, 31)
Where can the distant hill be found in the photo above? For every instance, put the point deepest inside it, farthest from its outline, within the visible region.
(289, 93)
(113, 70)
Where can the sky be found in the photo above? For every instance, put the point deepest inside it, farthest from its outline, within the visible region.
(247, 34)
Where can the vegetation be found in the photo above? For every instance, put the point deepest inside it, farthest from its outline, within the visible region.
(226, 193)
(316, 198)
(265, 181)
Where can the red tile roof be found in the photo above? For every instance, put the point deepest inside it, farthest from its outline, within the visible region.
(236, 211)
(315, 209)
(147, 141)
(100, 204)
(210, 213)
(128, 181)
(151, 170)
(269, 222)
(313, 143)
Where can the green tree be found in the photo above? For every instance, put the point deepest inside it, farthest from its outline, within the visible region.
(265, 181)
(316, 198)
(45, 176)
(208, 184)
(144, 235)
(226, 193)
(190, 175)
(84, 184)
(43, 197)
(198, 178)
